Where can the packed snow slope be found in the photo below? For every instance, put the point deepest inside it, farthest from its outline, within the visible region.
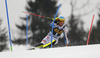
(86, 51)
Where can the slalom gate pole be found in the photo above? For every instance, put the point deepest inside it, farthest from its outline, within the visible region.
(8, 24)
(53, 24)
(26, 29)
(90, 30)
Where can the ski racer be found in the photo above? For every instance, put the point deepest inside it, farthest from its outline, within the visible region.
(58, 29)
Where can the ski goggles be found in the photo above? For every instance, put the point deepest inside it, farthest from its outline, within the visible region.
(62, 19)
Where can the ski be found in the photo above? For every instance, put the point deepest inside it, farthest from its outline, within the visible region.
(31, 49)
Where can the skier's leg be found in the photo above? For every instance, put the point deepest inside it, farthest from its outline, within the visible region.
(39, 45)
(43, 42)
(49, 44)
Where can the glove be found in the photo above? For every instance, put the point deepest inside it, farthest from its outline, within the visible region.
(51, 24)
(57, 20)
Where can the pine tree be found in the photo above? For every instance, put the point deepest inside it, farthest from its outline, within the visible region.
(40, 26)
(3, 38)
(22, 35)
(76, 35)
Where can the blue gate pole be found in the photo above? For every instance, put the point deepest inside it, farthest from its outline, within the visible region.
(26, 29)
(53, 24)
(8, 24)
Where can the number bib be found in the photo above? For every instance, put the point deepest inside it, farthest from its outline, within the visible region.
(57, 31)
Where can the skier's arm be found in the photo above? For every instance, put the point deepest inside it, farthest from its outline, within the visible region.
(52, 24)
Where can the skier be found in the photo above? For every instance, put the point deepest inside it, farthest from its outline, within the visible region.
(58, 29)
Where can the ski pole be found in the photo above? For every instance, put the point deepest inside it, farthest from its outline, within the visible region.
(65, 39)
(36, 15)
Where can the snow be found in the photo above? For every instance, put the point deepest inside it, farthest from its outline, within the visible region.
(86, 51)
